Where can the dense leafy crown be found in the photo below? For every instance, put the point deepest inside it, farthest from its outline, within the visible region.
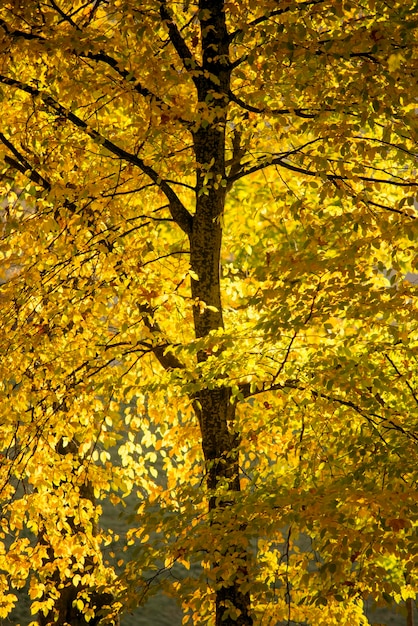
(208, 235)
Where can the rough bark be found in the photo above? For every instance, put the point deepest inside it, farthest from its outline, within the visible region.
(214, 408)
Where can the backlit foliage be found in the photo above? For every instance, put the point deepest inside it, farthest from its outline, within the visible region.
(208, 309)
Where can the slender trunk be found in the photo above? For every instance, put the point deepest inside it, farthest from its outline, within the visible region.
(65, 611)
(409, 612)
(214, 408)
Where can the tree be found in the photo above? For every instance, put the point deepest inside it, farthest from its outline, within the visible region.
(208, 221)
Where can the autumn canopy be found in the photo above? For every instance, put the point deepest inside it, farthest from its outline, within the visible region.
(208, 232)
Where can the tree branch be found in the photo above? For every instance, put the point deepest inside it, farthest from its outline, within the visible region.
(238, 153)
(294, 384)
(166, 358)
(287, 354)
(388, 208)
(298, 111)
(268, 16)
(65, 17)
(180, 46)
(95, 56)
(407, 383)
(300, 170)
(138, 87)
(252, 109)
(178, 211)
(386, 143)
(22, 165)
(19, 33)
(114, 64)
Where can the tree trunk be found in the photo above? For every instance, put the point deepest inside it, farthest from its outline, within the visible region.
(213, 406)
(409, 612)
(65, 612)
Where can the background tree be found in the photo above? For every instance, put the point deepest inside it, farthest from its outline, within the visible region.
(208, 220)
